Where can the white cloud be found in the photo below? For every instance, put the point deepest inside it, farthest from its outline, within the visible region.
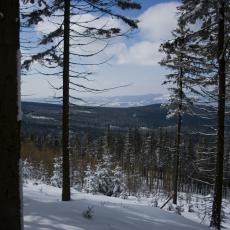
(158, 21)
(141, 57)
(142, 53)
(155, 26)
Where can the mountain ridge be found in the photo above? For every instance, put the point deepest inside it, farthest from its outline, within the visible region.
(47, 118)
(112, 101)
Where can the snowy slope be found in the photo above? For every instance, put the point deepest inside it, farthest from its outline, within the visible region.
(44, 210)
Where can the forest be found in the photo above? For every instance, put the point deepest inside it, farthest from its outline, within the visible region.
(94, 167)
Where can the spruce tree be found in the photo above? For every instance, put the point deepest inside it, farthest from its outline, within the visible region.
(128, 159)
(145, 155)
(180, 86)
(221, 60)
(211, 46)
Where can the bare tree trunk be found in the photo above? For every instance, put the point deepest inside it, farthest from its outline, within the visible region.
(65, 116)
(216, 208)
(178, 140)
(10, 218)
(177, 159)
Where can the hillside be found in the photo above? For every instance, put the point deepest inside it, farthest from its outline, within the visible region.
(43, 117)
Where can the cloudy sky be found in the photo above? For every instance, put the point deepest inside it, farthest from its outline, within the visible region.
(135, 59)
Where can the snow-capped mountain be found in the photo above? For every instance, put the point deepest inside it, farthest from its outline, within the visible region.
(113, 101)
(126, 101)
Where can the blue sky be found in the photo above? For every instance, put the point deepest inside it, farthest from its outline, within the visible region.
(146, 4)
(135, 60)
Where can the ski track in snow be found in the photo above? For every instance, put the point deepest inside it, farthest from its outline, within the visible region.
(44, 210)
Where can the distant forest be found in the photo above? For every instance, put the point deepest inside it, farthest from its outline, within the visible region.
(142, 145)
(42, 118)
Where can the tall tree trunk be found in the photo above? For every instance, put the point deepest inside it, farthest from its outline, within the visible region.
(10, 218)
(178, 140)
(65, 116)
(216, 208)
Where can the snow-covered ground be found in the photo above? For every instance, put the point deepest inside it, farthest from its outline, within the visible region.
(44, 210)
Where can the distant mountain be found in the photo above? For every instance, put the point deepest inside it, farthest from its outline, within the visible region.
(126, 101)
(113, 101)
(46, 118)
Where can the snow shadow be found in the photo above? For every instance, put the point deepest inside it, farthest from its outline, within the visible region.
(57, 215)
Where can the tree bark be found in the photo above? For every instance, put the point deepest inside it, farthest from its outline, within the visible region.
(178, 139)
(65, 116)
(216, 208)
(10, 197)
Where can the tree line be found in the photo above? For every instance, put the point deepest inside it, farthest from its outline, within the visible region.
(146, 159)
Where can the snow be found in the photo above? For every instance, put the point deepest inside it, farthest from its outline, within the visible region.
(41, 117)
(144, 128)
(84, 111)
(44, 210)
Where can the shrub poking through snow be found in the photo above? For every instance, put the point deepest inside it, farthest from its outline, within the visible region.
(88, 213)
(190, 208)
(154, 202)
(178, 209)
(171, 208)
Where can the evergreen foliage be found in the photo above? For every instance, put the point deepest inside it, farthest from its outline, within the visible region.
(56, 178)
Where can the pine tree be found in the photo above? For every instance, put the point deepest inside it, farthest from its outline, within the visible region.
(56, 178)
(211, 45)
(104, 170)
(104, 175)
(10, 191)
(221, 60)
(119, 186)
(146, 153)
(128, 160)
(180, 82)
(90, 181)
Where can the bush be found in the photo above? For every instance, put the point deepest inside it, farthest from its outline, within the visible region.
(88, 214)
